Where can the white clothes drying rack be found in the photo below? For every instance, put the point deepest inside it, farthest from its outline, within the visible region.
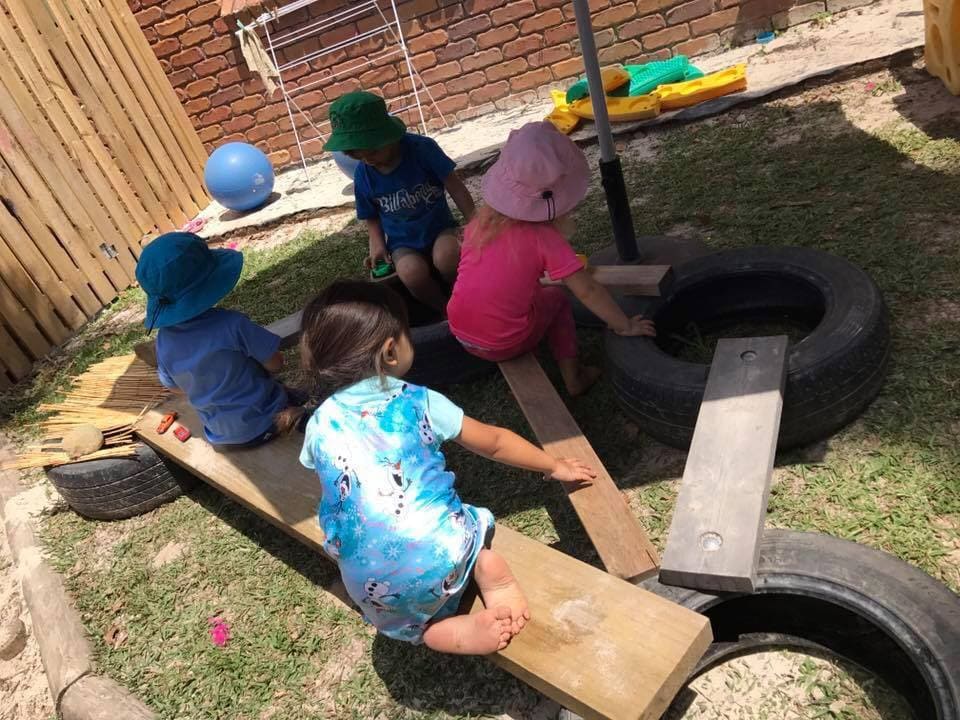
(394, 46)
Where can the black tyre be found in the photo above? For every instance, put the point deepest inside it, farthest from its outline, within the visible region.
(819, 592)
(118, 488)
(836, 362)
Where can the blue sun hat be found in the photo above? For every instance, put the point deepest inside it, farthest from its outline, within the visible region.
(183, 278)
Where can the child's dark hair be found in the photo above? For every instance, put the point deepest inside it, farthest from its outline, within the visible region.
(343, 331)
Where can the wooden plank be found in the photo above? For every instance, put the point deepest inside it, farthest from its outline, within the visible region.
(100, 15)
(629, 279)
(714, 537)
(153, 74)
(596, 644)
(621, 542)
(60, 173)
(38, 305)
(54, 95)
(111, 89)
(16, 317)
(13, 357)
(67, 269)
(98, 101)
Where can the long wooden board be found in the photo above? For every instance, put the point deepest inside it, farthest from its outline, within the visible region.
(598, 645)
(621, 542)
(629, 279)
(714, 538)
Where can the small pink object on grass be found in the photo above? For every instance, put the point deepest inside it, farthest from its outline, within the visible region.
(219, 631)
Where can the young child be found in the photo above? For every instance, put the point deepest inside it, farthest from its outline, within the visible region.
(405, 543)
(219, 358)
(400, 188)
(498, 309)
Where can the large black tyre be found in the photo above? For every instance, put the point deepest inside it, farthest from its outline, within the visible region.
(832, 595)
(118, 488)
(832, 374)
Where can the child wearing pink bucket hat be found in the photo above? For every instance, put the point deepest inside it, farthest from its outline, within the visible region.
(499, 310)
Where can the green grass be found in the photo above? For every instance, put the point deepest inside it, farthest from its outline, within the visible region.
(886, 201)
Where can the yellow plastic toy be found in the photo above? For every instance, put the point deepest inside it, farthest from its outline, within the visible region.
(680, 95)
(621, 109)
(941, 19)
(561, 117)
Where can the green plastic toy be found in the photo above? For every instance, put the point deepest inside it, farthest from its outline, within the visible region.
(647, 77)
(381, 270)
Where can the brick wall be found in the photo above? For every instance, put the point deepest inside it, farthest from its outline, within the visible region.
(474, 55)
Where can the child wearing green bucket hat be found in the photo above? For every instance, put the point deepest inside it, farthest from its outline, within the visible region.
(400, 187)
(219, 358)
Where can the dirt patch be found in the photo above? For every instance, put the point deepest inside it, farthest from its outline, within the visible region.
(335, 671)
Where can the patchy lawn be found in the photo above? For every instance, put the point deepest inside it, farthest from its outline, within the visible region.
(866, 167)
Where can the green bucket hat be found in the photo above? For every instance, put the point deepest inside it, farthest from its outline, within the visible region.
(360, 121)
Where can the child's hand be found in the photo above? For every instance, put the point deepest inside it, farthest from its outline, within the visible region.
(637, 326)
(376, 257)
(572, 470)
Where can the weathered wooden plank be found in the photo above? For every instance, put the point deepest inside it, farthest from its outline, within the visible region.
(16, 317)
(596, 644)
(717, 522)
(629, 279)
(621, 542)
(13, 357)
(38, 305)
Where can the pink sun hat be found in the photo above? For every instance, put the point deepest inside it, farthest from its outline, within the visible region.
(540, 175)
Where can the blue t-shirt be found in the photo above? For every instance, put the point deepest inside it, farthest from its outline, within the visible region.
(216, 359)
(410, 202)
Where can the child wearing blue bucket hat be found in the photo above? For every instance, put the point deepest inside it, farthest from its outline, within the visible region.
(219, 358)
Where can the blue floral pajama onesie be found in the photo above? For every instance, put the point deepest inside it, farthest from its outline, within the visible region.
(405, 543)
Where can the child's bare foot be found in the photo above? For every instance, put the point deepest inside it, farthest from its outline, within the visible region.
(584, 379)
(479, 633)
(498, 587)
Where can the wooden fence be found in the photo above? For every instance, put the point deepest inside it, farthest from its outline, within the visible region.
(96, 154)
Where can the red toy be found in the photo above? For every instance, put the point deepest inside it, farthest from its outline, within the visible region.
(166, 423)
(181, 433)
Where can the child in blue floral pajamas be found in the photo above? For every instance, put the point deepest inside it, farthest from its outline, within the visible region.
(406, 545)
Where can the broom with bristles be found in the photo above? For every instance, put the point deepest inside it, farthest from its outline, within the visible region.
(96, 417)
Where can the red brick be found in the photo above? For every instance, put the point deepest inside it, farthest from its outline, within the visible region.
(646, 7)
(300, 121)
(567, 68)
(149, 17)
(415, 8)
(217, 115)
(456, 50)
(506, 70)
(626, 50)
(204, 14)
(642, 26)
(220, 26)
(756, 9)
(279, 158)
(550, 55)
(714, 21)
(689, 11)
(511, 12)
(209, 134)
(475, 111)
(548, 19)
(218, 46)
(698, 46)
(201, 87)
(262, 132)
(287, 139)
(271, 112)
(427, 41)
(497, 37)
(424, 60)
(615, 15)
(341, 88)
(665, 37)
(175, 7)
(181, 77)
(150, 34)
(238, 124)
(211, 66)
(561, 33)
(247, 104)
(470, 27)
(453, 103)
(442, 17)
(311, 99)
(441, 72)
(437, 91)
(477, 7)
(540, 76)
(378, 76)
(337, 35)
(522, 46)
(547, 4)
(166, 47)
(466, 82)
(187, 58)
(727, 3)
(595, 6)
(171, 27)
(490, 92)
(229, 77)
(195, 107)
(195, 36)
(602, 39)
(481, 59)
(225, 97)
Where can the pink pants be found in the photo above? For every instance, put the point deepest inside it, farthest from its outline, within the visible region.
(553, 319)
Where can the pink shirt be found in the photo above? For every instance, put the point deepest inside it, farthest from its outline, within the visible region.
(492, 305)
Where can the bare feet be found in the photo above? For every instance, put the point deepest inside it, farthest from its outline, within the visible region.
(498, 587)
(479, 633)
(582, 380)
